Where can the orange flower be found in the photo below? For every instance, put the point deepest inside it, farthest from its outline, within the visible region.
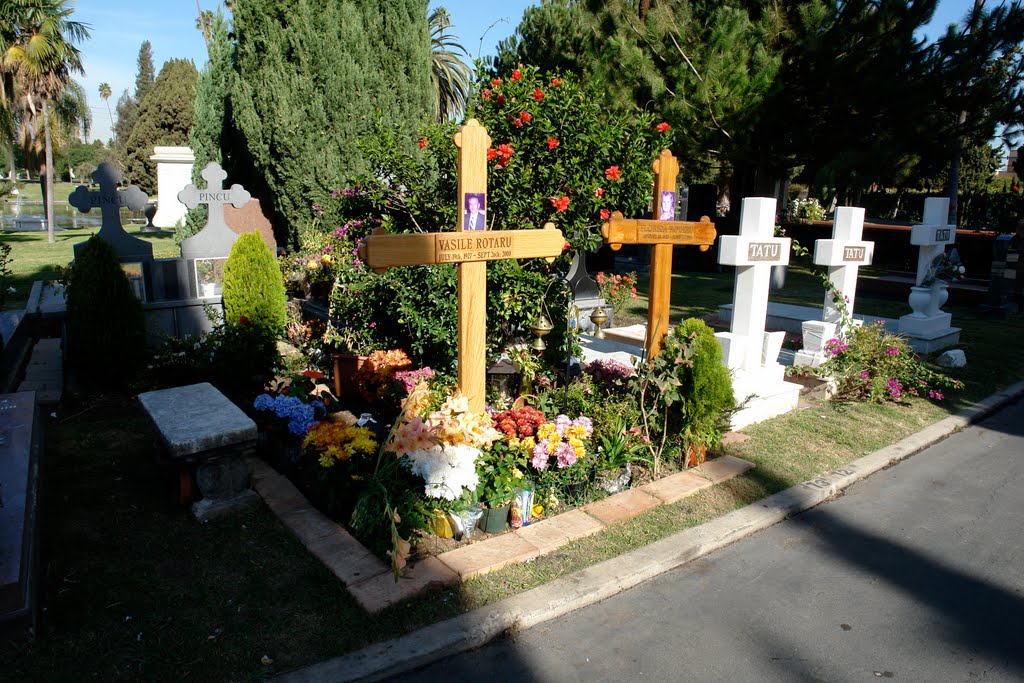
(538, 94)
(612, 173)
(516, 74)
(552, 143)
(555, 82)
(496, 82)
(423, 143)
(604, 214)
(662, 127)
(560, 203)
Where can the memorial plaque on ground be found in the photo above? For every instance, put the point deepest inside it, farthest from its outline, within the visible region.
(18, 489)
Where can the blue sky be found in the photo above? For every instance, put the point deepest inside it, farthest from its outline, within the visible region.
(118, 28)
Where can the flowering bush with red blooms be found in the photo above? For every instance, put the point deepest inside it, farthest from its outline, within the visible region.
(519, 423)
(557, 155)
(618, 290)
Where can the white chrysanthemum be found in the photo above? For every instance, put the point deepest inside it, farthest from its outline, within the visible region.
(446, 470)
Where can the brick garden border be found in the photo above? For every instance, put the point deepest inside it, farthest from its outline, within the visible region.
(371, 582)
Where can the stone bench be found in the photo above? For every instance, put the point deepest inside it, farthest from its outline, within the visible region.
(20, 441)
(202, 431)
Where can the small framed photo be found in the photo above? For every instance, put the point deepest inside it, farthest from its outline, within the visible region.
(475, 211)
(667, 206)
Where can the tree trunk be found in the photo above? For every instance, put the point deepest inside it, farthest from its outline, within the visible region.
(10, 161)
(49, 174)
(954, 174)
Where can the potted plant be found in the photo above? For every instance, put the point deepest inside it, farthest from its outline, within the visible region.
(500, 470)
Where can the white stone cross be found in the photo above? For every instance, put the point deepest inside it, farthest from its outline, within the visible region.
(754, 251)
(844, 254)
(932, 235)
(109, 200)
(214, 196)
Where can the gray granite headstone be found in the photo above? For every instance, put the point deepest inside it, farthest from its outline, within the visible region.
(18, 482)
(586, 293)
(109, 201)
(216, 238)
(196, 418)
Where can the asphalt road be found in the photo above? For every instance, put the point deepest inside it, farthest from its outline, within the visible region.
(915, 574)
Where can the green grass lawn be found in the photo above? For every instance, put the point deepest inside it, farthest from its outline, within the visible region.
(33, 258)
(136, 590)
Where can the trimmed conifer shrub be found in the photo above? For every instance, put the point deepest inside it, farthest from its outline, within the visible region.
(253, 285)
(106, 332)
(707, 397)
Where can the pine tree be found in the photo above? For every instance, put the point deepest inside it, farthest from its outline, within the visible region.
(206, 136)
(315, 78)
(127, 111)
(146, 75)
(164, 118)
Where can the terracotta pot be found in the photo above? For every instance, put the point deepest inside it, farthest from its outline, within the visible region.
(696, 454)
(345, 368)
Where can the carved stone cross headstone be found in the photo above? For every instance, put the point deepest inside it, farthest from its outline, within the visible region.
(844, 254)
(754, 251)
(216, 238)
(932, 235)
(470, 249)
(109, 200)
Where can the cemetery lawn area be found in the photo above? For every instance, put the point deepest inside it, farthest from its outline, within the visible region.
(133, 589)
(33, 258)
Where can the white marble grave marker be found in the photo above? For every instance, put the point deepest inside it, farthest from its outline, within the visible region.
(754, 251)
(844, 254)
(933, 235)
(109, 200)
(216, 232)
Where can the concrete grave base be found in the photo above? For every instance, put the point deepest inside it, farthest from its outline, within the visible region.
(790, 318)
(766, 394)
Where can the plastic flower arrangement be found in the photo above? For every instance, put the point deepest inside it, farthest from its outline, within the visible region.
(945, 267)
(562, 440)
(299, 416)
(339, 442)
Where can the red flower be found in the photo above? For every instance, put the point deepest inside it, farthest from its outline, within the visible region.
(565, 247)
(537, 94)
(503, 161)
(500, 99)
(526, 116)
(491, 153)
(313, 374)
(486, 95)
(662, 127)
(506, 150)
(599, 192)
(243, 320)
(604, 214)
(555, 82)
(423, 143)
(612, 173)
(560, 203)
(553, 142)
(516, 74)
(517, 122)
(496, 82)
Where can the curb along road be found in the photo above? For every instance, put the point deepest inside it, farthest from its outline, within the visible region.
(600, 581)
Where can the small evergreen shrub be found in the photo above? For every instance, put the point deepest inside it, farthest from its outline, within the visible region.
(253, 285)
(707, 396)
(106, 331)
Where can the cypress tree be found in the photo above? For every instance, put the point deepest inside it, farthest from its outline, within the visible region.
(253, 286)
(205, 138)
(164, 118)
(312, 78)
(145, 78)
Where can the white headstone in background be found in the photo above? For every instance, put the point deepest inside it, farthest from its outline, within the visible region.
(173, 173)
(750, 352)
(929, 328)
(844, 254)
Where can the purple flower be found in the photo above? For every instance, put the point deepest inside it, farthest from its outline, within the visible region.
(836, 346)
(936, 394)
(894, 387)
(328, 249)
(341, 232)
(565, 454)
(864, 374)
(892, 351)
(540, 455)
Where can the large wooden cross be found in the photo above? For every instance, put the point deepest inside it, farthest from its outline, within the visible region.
(470, 249)
(662, 235)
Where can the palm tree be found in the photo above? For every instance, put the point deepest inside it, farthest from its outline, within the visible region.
(105, 93)
(40, 52)
(449, 74)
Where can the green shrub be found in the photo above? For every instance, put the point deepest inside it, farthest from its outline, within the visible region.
(106, 331)
(707, 396)
(253, 285)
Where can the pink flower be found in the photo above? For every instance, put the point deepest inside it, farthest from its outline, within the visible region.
(936, 394)
(892, 351)
(864, 374)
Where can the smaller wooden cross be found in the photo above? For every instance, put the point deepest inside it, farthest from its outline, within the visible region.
(662, 235)
(215, 237)
(470, 249)
(109, 200)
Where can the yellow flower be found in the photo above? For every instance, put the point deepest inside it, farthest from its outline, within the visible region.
(528, 443)
(537, 510)
(516, 474)
(326, 460)
(312, 264)
(456, 403)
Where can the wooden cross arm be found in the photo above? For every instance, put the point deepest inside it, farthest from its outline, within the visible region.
(381, 251)
(618, 231)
